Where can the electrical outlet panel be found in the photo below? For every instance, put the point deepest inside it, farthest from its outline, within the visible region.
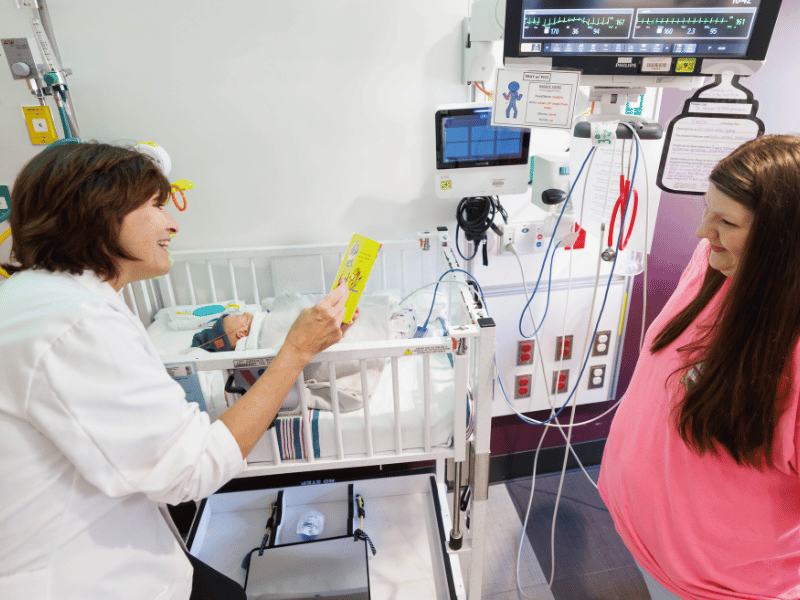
(566, 352)
(560, 381)
(522, 386)
(602, 341)
(524, 352)
(597, 377)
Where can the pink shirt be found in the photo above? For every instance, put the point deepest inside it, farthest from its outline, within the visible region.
(704, 527)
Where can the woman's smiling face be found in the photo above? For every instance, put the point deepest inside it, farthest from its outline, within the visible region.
(726, 225)
(145, 234)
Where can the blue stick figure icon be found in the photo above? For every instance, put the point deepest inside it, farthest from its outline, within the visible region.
(512, 98)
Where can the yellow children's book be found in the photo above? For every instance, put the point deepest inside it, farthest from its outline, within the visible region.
(357, 263)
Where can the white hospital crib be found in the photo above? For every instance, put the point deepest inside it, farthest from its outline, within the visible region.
(464, 343)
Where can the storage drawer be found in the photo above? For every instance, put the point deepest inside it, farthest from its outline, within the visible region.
(406, 520)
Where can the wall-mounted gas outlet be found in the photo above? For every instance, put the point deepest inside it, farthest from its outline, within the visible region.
(597, 377)
(564, 349)
(527, 237)
(524, 352)
(522, 386)
(602, 341)
(560, 381)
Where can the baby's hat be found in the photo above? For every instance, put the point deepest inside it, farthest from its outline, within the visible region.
(213, 338)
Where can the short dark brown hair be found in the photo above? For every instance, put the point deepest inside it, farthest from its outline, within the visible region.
(68, 203)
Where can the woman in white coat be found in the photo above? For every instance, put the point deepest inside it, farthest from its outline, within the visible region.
(94, 435)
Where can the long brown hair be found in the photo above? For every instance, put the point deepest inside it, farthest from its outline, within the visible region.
(68, 203)
(739, 395)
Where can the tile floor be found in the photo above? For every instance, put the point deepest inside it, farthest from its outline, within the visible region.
(591, 561)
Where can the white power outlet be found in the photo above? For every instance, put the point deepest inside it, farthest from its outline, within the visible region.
(527, 237)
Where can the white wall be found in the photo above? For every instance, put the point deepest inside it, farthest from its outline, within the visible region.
(298, 122)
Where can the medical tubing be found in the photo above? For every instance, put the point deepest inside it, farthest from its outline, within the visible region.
(559, 427)
(646, 230)
(614, 406)
(550, 243)
(572, 414)
(569, 435)
(549, 286)
(623, 186)
(547, 302)
(602, 309)
(64, 121)
(436, 289)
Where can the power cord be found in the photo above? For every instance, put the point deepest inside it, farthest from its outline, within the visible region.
(554, 416)
(475, 216)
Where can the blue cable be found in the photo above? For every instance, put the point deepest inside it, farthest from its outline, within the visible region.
(549, 285)
(421, 330)
(550, 243)
(602, 307)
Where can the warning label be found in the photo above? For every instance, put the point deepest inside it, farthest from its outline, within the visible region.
(247, 363)
(180, 370)
(429, 350)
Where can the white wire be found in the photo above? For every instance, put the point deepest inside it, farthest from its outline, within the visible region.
(427, 285)
(568, 436)
(544, 369)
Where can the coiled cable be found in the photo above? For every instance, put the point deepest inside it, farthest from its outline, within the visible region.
(475, 216)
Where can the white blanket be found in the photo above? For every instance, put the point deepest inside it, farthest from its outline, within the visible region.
(269, 330)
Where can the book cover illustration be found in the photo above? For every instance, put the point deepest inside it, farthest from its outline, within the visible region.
(355, 268)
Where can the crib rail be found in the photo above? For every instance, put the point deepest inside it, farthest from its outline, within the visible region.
(251, 274)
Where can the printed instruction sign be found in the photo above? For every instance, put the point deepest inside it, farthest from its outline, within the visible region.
(715, 121)
(535, 98)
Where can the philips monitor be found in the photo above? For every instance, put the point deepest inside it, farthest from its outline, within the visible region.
(655, 43)
(473, 158)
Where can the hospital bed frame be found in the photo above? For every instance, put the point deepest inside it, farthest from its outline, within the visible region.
(250, 274)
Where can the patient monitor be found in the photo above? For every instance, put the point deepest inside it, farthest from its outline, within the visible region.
(647, 43)
(621, 47)
(473, 158)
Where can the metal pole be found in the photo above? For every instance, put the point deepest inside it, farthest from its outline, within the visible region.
(455, 535)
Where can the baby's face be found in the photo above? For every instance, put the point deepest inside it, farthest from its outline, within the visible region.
(237, 327)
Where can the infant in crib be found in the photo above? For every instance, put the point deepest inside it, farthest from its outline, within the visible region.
(223, 333)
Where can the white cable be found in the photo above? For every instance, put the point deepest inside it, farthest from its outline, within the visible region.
(427, 285)
(513, 250)
(574, 401)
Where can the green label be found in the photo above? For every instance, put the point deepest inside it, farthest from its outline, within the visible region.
(5, 203)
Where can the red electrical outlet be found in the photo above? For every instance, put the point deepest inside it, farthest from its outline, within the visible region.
(524, 352)
(522, 386)
(560, 381)
(566, 353)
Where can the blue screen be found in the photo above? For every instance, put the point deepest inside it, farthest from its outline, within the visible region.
(473, 138)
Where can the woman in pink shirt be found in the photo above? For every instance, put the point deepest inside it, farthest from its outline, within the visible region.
(700, 471)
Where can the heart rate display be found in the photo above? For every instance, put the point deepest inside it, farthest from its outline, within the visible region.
(694, 24)
(576, 24)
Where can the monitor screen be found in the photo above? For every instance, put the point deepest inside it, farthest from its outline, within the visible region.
(624, 37)
(475, 158)
(466, 138)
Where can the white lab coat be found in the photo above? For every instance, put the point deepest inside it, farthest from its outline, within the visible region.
(94, 434)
